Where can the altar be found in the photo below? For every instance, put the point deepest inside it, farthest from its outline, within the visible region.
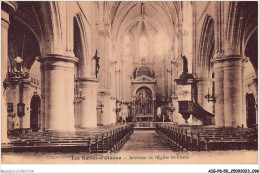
(143, 89)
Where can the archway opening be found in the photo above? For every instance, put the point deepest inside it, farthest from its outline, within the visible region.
(251, 49)
(250, 111)
(35, 113)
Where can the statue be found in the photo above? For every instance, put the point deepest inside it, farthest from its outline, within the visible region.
(97, 63)
(185, 64)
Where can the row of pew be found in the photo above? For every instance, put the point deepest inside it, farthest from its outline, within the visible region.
(19, 131)
(208, 138)
(106, 139)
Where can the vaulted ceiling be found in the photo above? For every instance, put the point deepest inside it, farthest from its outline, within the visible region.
(25, 33)
(160, 16)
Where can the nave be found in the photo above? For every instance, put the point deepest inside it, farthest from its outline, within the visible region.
(145, 142)
(83, 76)
(138, 149)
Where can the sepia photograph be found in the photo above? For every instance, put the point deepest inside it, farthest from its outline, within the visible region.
(129, 82)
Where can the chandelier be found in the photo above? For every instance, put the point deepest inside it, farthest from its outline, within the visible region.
(15, 75)
(18, 72)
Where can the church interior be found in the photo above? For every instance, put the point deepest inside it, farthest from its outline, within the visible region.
(89, 76)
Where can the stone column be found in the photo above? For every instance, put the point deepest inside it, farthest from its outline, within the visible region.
(203, 89)
(104, 98)
(219, 93)
(77, 114)
(59, 92)
(42, 116)
(244, 122)
(177, 117)
(12, 92)
(233, 66)
(26, 99)
(176, 114)
(87, 115)
(7, 8)
(256, 113)
(112, 115)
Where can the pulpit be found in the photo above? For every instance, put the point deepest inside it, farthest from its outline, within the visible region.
(187, 98)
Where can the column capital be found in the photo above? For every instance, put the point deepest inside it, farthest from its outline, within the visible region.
(203, 79)
(54, 62)
(113, 97)
(104, 93)
(58, 57)
(222, 58)
(86, 79)
(9, 6)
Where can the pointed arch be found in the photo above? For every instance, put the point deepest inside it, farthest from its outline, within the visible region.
(52, 28)
(84, 58)
(206, 46)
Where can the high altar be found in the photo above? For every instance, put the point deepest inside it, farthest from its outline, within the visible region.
(143, 90)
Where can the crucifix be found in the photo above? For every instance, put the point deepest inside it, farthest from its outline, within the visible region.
(100, 107)
(97, 63)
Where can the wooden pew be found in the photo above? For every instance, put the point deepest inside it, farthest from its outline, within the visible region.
(92, 142)
(209, 138)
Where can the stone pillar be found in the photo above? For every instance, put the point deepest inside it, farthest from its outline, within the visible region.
(26, 94)
(219, 93)
(59, 92)
(112, 115)
(7, 8)
(176, 114)
(87, 110)
(244, 121)
(256, 113)
(12, 92)
(203, 89)
(42, 116)
(77, 114)
(103, 117)
(233, 111)
(124, 112)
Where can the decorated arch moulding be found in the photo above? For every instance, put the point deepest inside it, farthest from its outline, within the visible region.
(135, 88)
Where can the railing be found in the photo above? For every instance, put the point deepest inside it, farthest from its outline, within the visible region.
(147, 125)
(197, 111)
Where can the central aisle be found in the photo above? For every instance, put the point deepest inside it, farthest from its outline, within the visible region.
(145, 141)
